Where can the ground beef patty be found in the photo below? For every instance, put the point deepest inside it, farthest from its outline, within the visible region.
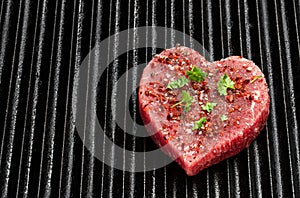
(202, 123)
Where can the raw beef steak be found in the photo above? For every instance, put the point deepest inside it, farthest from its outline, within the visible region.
(200, 112)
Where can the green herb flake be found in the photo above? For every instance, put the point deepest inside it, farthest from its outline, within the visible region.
(209, 106)
(198, 124)
(224, 83)
(187, 99)
(180, 82)
(196, 74)
(223, 118)
(255, 78)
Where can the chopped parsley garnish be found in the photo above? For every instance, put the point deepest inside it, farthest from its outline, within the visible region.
(223, 118)
(180, 82)
(196, 74)
(209, 106)
(187, 99)
(224, 83)
(255, 78)
(198, 124)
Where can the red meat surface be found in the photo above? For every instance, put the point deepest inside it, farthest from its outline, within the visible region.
(246, 107)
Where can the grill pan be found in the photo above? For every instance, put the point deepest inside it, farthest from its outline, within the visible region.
(43, 45)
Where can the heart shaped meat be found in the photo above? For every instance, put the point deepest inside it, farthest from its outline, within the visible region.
(200, 112)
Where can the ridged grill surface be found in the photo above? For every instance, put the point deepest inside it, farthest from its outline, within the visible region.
(43, 44)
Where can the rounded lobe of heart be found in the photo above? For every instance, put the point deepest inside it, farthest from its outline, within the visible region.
(246, 107)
